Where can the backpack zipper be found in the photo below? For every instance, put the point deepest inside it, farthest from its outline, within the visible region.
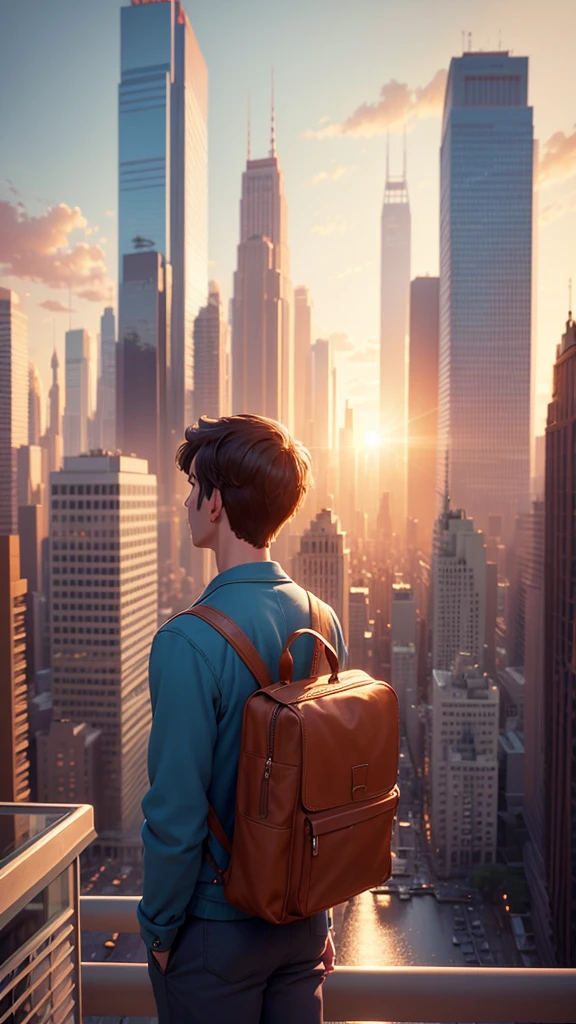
(268, 766)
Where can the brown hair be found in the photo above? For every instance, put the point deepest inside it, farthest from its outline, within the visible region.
(262, 473)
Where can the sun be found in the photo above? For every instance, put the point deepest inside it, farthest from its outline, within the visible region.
(372, 439)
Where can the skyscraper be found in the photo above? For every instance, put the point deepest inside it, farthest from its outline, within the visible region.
(464, 763)
(559, 763)
(52, 439)
(322, 563)
(347, 473)
(103, 585)
(321, 439)
(14, 763)
(423, 406)
(394, 321)
(34, 405)
(13, 403)
(458, 589)
(77, 408)
(486, 285)
(358, 626)
(163, 183)
(106, 409)
(303, 409)
(142, 396)
(210, 358)
(262, 350)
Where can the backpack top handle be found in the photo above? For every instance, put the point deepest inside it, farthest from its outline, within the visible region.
(287, 661)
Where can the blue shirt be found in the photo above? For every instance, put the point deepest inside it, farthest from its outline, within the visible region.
(198, 688)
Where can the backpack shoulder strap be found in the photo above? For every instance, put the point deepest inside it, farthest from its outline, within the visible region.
(321, 621)
(237, 639)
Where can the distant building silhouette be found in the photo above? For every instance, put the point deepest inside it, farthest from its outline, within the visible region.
(358, 627)
(394, 325)
(52, 440)
(77, 408)
(262, 348)
(423, 406)
(106, 404)
(14, 406)
(486, 209)
(559, 762)
(303, 407)
(322, 563)
(211, 358)
(34, 406)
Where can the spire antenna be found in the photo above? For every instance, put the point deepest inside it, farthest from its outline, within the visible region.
(249, 128)
(569, 298)
(272, 119)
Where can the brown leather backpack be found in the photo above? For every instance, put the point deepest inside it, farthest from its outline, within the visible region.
(317, 789)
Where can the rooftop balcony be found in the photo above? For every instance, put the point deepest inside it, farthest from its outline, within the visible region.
(41, 976)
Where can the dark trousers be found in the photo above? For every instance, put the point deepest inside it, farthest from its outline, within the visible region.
(242, 972)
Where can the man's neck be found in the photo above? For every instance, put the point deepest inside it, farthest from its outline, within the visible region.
(239, 552)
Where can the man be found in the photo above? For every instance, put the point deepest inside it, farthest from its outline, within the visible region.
(208, 961)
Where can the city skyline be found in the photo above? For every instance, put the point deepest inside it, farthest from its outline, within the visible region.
(333, 182)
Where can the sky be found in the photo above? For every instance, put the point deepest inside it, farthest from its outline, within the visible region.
(343, 72)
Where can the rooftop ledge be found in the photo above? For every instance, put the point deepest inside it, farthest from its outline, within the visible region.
(435, 994)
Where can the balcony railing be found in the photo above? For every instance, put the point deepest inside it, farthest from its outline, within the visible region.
(436, 994)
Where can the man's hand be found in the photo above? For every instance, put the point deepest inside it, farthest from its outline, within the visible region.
(162, 959)
(329, 955)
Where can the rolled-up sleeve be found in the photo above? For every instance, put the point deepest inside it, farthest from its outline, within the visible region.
(185, 699)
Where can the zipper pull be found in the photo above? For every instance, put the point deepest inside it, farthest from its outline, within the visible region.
(314, 846)
(264, 789)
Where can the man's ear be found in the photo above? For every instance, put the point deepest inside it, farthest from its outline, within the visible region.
(216, 506)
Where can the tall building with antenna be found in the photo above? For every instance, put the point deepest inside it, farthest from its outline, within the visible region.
(163, 191)
(394, 321)
(486, 227)
(262, 348)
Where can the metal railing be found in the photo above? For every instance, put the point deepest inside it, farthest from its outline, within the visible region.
(436, 994)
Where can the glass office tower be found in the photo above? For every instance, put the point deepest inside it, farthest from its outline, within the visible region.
(486, 286)
(163, 190)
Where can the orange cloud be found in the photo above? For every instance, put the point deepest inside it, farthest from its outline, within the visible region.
(39, 249)
(329, 227)
(558, 159)
(55, 306)
(334, 175)
(398, 103)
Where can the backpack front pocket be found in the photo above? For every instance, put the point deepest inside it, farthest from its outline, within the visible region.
(346, 851)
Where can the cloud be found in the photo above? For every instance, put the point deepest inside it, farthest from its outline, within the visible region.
(110, 213)
(329, 227)
(556, 211)
(334, 175)
(558, 160)
(39, 249)
(398, 103)
(55, 306)
(340, 342)
(368, 354)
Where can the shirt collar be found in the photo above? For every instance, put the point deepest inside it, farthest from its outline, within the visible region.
(251, 572)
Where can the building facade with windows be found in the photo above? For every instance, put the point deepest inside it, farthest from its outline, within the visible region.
(464, 769)
(322, 564)
(13, 403)
(486, 231)
(103, 586)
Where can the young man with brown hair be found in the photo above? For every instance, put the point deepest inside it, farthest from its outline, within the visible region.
(208, 961)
